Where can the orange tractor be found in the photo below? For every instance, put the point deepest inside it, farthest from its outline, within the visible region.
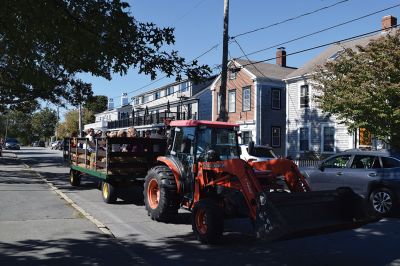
(203, 173)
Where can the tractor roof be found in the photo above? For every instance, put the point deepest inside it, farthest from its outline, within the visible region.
(195, 123)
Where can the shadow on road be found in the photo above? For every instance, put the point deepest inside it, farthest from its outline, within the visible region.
(92, 249)
(375, 244)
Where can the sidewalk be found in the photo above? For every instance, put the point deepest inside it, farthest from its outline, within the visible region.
(37, 227)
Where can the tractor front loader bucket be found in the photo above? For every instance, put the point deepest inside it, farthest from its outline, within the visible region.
(289, 215)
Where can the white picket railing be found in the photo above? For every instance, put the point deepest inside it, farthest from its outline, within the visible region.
(306, 163)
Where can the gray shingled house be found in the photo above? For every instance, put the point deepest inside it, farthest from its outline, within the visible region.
(309, 131)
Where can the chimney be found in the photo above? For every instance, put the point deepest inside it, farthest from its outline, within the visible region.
(110, 104)
(281, 56)
(388, 22)
(124, 99)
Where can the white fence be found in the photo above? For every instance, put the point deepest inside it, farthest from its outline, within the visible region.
(306, 163)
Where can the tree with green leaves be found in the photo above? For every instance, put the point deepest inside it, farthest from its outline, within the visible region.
(71, 124)
(16, 124)
(362, 88)
(44, 44)
(44, 123)
(96, 104)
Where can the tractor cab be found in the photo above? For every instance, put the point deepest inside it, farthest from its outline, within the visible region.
(204, 141)
(200, 141)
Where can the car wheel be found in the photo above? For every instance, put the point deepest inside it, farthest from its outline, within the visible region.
(382, 201)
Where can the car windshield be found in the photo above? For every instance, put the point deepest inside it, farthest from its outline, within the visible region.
(262, 152)
(11, 141)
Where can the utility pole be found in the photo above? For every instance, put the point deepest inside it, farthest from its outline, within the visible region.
(222, 110)
(80, 121)
(5, 135)
(58, 121)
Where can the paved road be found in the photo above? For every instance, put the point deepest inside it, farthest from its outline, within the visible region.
(174, 244)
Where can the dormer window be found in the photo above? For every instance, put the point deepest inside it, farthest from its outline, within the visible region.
(170, 90)
(232, 74)
(184, 86)
(157, 95)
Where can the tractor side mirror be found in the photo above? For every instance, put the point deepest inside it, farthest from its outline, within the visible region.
(250, 148)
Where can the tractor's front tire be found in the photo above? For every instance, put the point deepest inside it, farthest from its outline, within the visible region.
(160, 194)
(108, 193)
(74, 178)
(207, 221)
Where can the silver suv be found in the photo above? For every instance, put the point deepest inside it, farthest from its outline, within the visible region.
(372, 174)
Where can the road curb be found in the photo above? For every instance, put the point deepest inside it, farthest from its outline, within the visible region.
(103, 228)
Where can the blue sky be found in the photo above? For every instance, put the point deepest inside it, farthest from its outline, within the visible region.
(198, 27)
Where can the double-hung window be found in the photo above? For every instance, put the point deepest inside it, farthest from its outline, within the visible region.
(232, 101)
(246, 98)
(304, 138)
(328, 139)
(275, 136)
(304, 96)
(184, 86)
(157, 95)
(218, 102)
(170, 90)
(246, 137)
(276, 99)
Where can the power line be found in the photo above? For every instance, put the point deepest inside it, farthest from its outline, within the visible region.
(320, 46)
(290, 19)
(163, 77)
(246, 55)
(320, 31)
(260, 71)
(216, 45)
(201, 55)
(189, 11)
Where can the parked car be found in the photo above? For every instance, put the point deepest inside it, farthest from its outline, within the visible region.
(257, 153)
(373, 174)
(54, 145)
(41, 143)
(12, 144)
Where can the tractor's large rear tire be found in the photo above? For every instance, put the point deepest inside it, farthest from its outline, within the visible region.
(160, 194)
(207, 221)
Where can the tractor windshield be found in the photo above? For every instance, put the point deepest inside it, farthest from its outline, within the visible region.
(222, 141)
